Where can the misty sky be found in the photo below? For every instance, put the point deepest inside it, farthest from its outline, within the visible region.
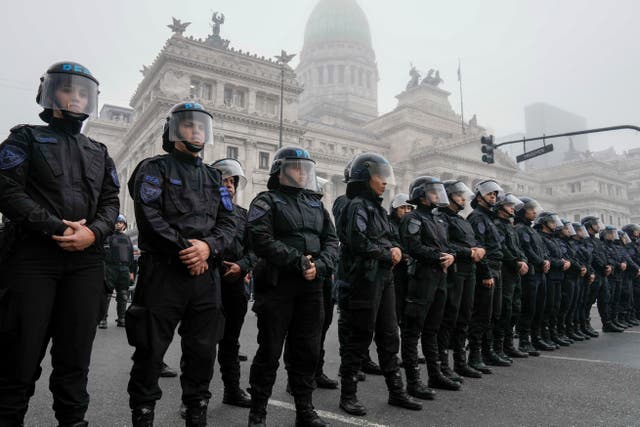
(580, 56)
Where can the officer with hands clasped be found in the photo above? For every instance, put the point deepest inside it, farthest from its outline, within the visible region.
(185, 220)
(292, 234)
(59, 193)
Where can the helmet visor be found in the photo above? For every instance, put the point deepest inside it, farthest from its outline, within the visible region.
(625, 238)
(547, 220)
(69, 92)
(194, 126)
(461, 189)
(568, 227)
(531, 204)
(321, 183)
(487, 187)
(299, 173)
(510, 199)
(401, 199)
(581, 231)
(436, 194)
(231, 168)
(382, 171)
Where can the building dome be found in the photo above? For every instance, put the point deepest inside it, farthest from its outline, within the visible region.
(334, 21)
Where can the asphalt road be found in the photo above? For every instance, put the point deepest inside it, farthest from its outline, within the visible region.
(593, 383)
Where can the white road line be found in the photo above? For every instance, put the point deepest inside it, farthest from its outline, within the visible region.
(330, 415)
(631, 332)
(578, 359)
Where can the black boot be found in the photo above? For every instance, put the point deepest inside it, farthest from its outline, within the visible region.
(555, 338)
(546, 337)
(634, 320)
(167, 372)
(611, 327)
(630, 320)
(589, 329)
(524, 346)
(415, 386)
(562, 334)
(323, 381)
(498, 347)
(142, 417)
(370, 367)
(539, 344)
(305, 414)
(578, 330)
(397, 395)
(258, 413)
(510, 349)
(491, 358)
(460, 365)
(234, 395)
(348, 399)
(475, 361)
(574, 334)
(448, 372)
(619, 321)
(437, 380)
(196, 415)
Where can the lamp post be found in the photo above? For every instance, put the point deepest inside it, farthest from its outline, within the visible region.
(283, 60)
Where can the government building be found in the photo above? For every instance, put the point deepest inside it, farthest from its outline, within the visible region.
(330, 107)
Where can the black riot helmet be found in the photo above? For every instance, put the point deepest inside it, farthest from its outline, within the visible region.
(366, 165)
(293, 167)
(567, 229)
(187, 122)
(528, 203)
(431, 189)
(633, 230)
(69, 87)
(347, 171)
(609, 233)
(581, 231)
(549, 219)
(592, 223)
(509, 199)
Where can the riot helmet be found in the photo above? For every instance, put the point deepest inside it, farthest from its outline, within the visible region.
(592, 223)
(457, 190)
(567, 229)
(529, 204)
(189, 123)
(550, 220)
(230, 167)
(581, 231)
(293, 167)
(624, 237)
(485, 187)
(70, 88)
(633, 230)
(609, 233)
(431, 189)
(509, 200)
(121, 219)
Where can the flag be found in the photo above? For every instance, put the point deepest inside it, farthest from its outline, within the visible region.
(459, 72)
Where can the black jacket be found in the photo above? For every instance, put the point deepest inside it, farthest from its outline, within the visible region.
(555, 255)
(511, 247)
(461, 238)
(118, 250)
(533, 247)
(239, 251)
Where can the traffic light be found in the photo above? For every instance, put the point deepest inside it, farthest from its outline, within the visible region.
(487, 148)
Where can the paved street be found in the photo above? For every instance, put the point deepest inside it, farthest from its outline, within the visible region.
(588, 384)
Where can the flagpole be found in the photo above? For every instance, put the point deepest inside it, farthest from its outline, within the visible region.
(461, 100)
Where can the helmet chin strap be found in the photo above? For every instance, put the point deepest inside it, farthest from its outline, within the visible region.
(458, 205)
(192, 147)
(490, 206)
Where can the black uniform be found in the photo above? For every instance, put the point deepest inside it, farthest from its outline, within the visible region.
(234, 301)
(424, 237)
(575, 317)
(511, 284)
(599, 289)
(119, 265)
(616, 258)
(570, 283)
(555, 277)
(488, 301)
(286, 225)
(47, 174)
(176, 198)
(533, 283)
(400, 277)
(461, 284)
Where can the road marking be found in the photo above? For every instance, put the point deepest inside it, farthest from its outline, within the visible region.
(631, 332)
(330, 415)
(579, 359)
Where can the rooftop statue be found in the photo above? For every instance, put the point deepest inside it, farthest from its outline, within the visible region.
(178, 27)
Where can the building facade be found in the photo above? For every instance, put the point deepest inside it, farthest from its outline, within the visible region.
(331, 109)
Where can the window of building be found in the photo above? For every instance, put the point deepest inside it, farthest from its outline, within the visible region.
(576, 218)
(610, 189)
(235, 96)
(232, 152)
(610, 219)
(330, 74)
(320, 75)
(341, 74)
(200, 90)
(194, 89)
(207, 91)
(601, 187)
(360, 76)
(353, 74)
(575, 187)
(368, 80)
(549, 191)
(263, 160)
(228, 96)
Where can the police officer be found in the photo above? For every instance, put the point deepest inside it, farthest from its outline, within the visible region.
(574, 319)
(533, 295)
(514, 265)
(120, 267)
(400, 206)
(295, 239)
(599, 289)
(572, 275)
(368, 306)
(488, 298)
(610, 236)
(626, 284)
(59, 189)
(461, 282)
(633, 231)
(424, 237)
(185, 223)
(238, 260)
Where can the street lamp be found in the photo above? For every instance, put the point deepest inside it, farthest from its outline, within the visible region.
(283, 60)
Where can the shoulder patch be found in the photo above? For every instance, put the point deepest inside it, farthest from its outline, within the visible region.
(46, 139)
(226, 198)
(361, 220)
(114, 177)
(175, 181)
(314, 203)
(149, 192)
(526, 237)
(151, 179)
(11, 156)
(482, 228)
(414, 226)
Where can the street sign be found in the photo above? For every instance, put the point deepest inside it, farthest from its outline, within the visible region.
(535, 153)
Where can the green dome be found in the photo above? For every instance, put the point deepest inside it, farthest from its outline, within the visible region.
(337, 21)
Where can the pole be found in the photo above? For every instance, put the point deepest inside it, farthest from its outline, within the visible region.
(281, 101)
(461, 100)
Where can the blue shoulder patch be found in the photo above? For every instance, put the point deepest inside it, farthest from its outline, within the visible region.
(114, 177)
(149, 192)
(314, 203)
(175, 181)
(226, 198)
(11, 156)
(482, 228)
(361, 220)
(46, 139)
(526, 237)
(255, 213)
(152, 179)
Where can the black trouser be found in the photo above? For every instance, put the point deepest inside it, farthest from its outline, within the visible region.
(234, 304)
(503, 325)
(569, 285)
(531, 284)
(598, 290)
(166, 296)
(636, 297)
(467, 282)
(358, 323)
(292, 310)
(540, 304)
(487, 308)
(576, 314)
(400, 281)
(118, 280)
(52, 295)
(552, 304)
(616, 294)
(449, 326)
(422, 322)
(328, 304)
